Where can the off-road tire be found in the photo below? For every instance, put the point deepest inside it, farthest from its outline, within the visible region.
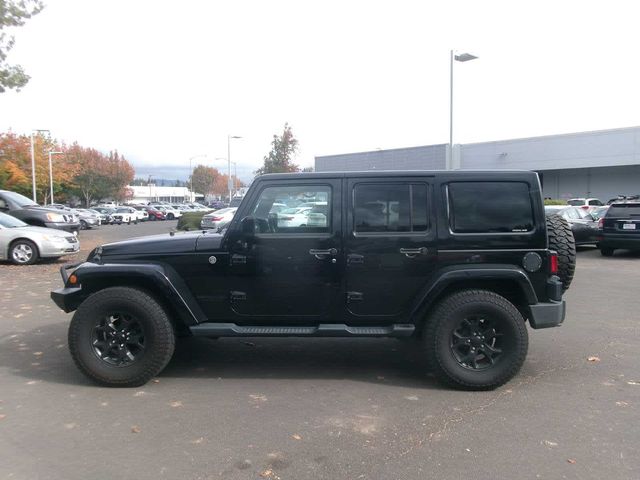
(29, 246)
(445, 318)
(561, 241)
(159, 337)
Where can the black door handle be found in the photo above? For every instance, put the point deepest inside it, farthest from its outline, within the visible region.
(413, 252)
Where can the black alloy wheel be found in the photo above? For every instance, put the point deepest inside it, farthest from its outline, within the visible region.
(118, 339)
(121, 337)
(475, 340)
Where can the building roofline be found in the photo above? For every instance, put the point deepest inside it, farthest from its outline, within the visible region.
(570, 134)
(383, 150)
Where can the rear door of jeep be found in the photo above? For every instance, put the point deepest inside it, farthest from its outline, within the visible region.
(390, 246)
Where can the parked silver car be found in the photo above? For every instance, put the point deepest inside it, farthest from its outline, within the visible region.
(24, 244)
(217, 218)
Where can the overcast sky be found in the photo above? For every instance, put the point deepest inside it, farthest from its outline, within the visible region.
(162, 81)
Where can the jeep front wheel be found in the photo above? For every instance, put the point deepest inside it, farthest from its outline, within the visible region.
(121, 337)
(475, 340)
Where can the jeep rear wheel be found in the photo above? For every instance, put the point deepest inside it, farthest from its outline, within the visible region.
(121, 337)
(562, 242)
(475, 340)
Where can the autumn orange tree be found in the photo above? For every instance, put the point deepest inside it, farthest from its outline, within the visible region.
(80, 171)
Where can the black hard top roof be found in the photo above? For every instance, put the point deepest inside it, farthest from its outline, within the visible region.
(498, 174)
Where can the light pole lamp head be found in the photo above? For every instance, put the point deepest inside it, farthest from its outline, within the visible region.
(464, 57)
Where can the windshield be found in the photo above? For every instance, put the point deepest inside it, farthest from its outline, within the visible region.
(7, 221)
(21, 200)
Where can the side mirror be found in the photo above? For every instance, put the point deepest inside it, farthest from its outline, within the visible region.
(248, 226)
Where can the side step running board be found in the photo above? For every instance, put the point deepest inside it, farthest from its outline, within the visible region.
(322, 330)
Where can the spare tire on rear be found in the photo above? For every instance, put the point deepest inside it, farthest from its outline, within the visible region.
(561, 241)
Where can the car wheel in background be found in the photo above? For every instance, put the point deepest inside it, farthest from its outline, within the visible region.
(23, 252)
(170, 216)
(83, 225)
(562, 242)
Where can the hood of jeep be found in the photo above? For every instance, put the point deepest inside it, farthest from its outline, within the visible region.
(164, 244)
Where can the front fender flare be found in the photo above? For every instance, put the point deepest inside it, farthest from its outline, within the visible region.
(162, 280)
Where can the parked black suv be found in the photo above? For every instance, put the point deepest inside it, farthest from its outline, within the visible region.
(30, 212)
(458, 259)
(620, 227)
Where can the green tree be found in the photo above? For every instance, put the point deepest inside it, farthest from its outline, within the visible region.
(283, 150)
(14, 13)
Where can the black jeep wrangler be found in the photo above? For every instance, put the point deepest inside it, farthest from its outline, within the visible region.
(459, 260)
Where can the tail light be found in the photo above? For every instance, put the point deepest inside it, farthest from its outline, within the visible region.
(216, 219)
(553, 263)
(585, 207)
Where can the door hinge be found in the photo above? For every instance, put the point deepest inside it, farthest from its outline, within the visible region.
(354, 297)
(238, 296)
(238, 259)
(354, 258)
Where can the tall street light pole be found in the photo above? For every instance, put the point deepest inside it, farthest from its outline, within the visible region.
(193, 197)
(463, 57)
(33, 162)
(229, 137)
(51, 172)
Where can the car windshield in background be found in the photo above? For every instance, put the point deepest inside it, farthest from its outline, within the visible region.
(7, 221)
(624, 210)
(575, 203)
(21, 200)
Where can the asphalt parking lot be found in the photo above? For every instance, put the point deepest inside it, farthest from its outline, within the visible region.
(316, 409)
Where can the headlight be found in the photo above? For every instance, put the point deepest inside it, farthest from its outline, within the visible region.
(55, 217)
(54, 238)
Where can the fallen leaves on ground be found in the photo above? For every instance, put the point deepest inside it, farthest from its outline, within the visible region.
(571, 461)
(2, 416)
(197, 441)
(176, 404)
(622, 404)
(258, 397)
(549, 443)
(135, 429)
(295, 436)
(633, 382)
(593, 359)
(139, 394)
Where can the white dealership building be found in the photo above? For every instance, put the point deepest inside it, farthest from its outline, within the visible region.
(152, 193)
(601, 164)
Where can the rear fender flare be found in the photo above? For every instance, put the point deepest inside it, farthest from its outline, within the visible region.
(450, 276)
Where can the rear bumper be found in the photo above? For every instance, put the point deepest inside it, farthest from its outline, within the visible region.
(630, 241)
(546, 315)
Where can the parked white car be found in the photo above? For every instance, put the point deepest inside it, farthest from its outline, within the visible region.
(218, 218)
(293, 217)
(23, 244)
(126, 215)
(585, 203)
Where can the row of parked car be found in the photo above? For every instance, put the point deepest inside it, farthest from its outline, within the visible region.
(609, 227)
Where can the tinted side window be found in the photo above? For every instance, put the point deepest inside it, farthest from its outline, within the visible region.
(270, 216)
(490, 207)
(390, 207)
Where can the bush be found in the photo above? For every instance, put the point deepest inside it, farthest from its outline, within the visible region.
(550, 201)
(190, 221)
